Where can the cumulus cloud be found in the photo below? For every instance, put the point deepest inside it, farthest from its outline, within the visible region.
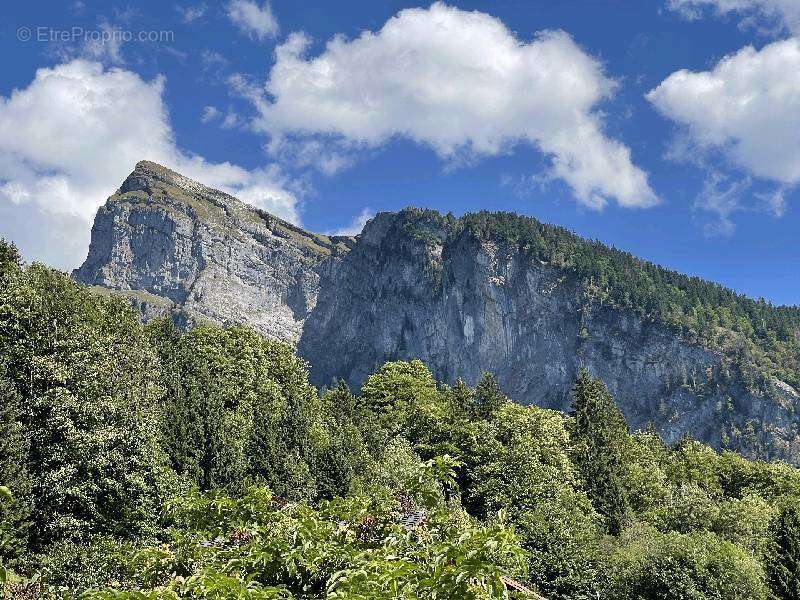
(747, 106)
(253, 20)
(70, 138)
(462, 84)
(785, 14)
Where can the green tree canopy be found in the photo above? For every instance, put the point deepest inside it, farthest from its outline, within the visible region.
(86, 379)
(600, 439)
(238, 408)
(783, 562)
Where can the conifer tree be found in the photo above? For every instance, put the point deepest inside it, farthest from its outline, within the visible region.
(10, 259)
(15, 512)
(237, 408)
(783, 563)
(463, 401)
(599, 437)
(488, 395)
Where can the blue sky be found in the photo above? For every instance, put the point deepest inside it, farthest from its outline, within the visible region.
(667, 128)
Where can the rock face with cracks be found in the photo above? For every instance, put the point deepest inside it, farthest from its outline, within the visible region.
(205, 254)
(408, 287)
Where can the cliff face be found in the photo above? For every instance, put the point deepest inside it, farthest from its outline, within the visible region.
(406, 289)
(464, 306)
(210, 255)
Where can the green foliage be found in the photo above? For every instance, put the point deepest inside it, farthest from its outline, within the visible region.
(10, 260)
(15, 509)
(488, 397)
(342, 455)
(256, 547)
(563, 541)
(783, 562)
(94, 562)
(80, 366)
(404, 395)
(697, 566)
(238, 408)
(600, 440)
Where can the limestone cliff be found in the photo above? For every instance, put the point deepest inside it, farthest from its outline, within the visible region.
(412, 285)
(210, 255)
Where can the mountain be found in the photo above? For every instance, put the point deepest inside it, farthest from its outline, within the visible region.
(495, 292)
(201, 254)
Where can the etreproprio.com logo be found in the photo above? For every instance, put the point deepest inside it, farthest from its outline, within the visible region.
(103, 36)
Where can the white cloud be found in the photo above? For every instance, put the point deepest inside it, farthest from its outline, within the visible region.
(231, 120)
(330, 156)
(70, 138)
(105, 44)
(209, 114)
(722, 200)
(464, 85)
(783, 13)
(190, 14)
(257, 22)
(356, 226)
(774, 201)
(747, 106)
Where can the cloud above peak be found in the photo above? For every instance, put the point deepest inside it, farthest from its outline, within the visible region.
(70, 138)
(462, 84)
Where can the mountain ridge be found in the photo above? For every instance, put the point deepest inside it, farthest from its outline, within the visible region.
(487, 291)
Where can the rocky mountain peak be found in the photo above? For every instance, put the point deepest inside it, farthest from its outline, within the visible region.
(205, 254)
(147, 172)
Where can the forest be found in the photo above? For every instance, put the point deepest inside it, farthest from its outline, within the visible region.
(140, 462)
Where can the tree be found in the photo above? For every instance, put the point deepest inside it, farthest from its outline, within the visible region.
(783, 561)
(83, 370)
(405, 397)
(563, 544)
(398, 386)
(488, 396)
(696, 566)
(15, 510)
(599, 438)
(462, 401)
(237, 407)
(10, 260)
(343, 453)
